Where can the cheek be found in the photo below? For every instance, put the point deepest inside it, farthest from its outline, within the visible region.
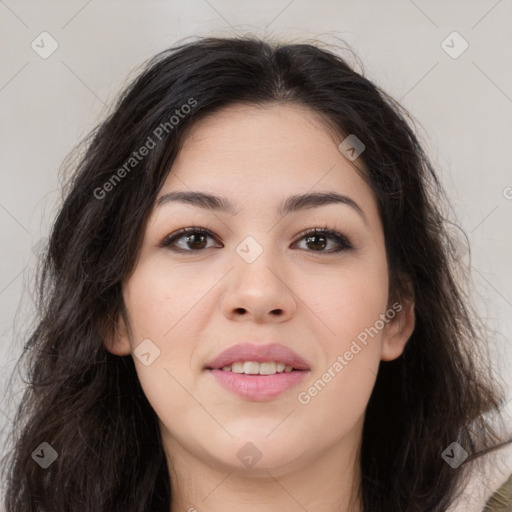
(349, 305)
(347, 300)
(166, 307)
(164, 303)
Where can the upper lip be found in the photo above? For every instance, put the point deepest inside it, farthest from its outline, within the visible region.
(258, 353)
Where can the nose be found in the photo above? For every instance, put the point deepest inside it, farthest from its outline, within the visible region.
(260, 291)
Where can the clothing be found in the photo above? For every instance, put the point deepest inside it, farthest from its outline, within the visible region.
(501, 499)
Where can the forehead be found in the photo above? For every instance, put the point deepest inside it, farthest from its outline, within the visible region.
(251, 153)
(260, 131)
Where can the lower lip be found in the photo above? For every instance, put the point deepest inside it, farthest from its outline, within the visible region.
(258, 387)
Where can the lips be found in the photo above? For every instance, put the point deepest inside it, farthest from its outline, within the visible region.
(258, 387)
(260, 354)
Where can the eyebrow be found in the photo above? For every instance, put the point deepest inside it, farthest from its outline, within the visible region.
(291, 204)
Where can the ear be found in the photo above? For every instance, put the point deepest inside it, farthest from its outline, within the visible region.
(116, 338)
(398, 330)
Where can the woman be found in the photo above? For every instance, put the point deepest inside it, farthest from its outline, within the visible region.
(249, 302)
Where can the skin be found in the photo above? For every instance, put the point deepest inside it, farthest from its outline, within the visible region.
(193, 306)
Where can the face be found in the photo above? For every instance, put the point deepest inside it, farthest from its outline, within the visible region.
(255, 275)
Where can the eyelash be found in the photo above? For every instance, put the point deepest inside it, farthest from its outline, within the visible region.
(342, 240)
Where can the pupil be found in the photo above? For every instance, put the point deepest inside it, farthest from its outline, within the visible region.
(191, 239)
(311, 237)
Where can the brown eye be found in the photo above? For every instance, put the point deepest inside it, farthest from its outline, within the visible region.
(189, 239)
(317, 240)
(196, 240)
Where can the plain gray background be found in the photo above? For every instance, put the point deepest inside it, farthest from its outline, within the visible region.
(462, 102)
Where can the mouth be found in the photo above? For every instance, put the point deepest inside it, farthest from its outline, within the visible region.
(254, 359)
(258, 372)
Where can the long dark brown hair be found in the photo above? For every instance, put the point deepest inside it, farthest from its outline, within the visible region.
(88, 405)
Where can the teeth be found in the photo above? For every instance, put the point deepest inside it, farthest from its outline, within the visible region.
(251, 368)
(255, 368)
(237, 367)
(267, 368)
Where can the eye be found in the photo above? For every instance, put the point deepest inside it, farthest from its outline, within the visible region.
(319, 237)
(194, 238)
